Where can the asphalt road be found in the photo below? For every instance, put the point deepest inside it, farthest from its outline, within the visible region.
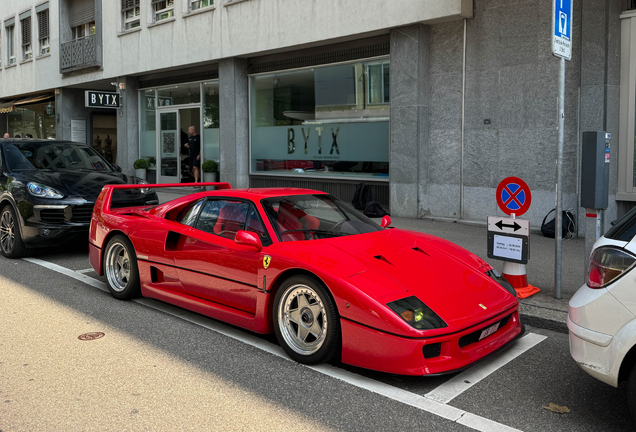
(159, 368)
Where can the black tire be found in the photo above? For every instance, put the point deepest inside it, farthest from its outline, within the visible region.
(10, 238)
(120, 268)
(631, 393)
(306, 322)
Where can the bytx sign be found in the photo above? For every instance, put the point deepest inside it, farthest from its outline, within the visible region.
(97, 99)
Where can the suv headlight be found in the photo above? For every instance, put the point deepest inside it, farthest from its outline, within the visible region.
(137, 180)
(41, 191)
(417, 314)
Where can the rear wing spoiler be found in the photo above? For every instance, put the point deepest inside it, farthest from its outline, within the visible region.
(106, 195)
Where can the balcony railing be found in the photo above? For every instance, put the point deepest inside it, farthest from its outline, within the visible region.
(78, 54)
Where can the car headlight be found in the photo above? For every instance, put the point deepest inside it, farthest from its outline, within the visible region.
(41, 191)
(138, 180)
(497, 277)
(417, 314)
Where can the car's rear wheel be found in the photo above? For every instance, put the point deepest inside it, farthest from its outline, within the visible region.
(307, 325)
(10, 239)
(120, 267)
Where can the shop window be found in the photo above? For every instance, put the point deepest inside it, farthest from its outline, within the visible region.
(130, 10)
(180, 94)
(211, 120)
(162, 9)
(33, 120)
(43, 32)
(148, 128)
(200, 4)
(10, 46)
(326, 121)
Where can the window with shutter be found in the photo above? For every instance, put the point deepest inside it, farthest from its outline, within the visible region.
(199, 4)
(130, 13)
(26, 38)
(10, 47)
(43, 31)
(163, 9)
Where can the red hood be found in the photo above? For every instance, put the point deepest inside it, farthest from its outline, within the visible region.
(394, 264)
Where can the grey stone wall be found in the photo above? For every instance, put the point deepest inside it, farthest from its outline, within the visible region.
(234, 122)
(510, 107)
(409, 136)
(128, 125)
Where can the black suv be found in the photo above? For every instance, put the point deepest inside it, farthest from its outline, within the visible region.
(48, 190)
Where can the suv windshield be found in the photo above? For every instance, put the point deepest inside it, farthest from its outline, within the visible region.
(310, 217)
(53, 155)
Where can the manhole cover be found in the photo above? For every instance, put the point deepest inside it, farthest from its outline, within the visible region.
(91, 336)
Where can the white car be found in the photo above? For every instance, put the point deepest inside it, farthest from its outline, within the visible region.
(602, 317)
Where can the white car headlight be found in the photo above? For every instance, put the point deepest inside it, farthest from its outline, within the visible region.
(41, 191)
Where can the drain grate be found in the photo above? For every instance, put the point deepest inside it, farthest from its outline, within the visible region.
(91, 336)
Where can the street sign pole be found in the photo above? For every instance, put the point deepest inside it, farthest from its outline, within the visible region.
(561, 34)
(559, 191)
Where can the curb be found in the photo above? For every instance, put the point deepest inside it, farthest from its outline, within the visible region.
(549, 319)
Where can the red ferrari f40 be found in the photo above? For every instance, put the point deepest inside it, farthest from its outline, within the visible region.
(330, 282)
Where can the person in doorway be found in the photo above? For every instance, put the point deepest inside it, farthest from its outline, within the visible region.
(6, 135)
(17, 136)
(194, 145)
(29, 136)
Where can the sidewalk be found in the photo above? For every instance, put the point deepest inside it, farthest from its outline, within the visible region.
(542, 309)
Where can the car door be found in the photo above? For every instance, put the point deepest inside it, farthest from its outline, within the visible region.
(211, 265)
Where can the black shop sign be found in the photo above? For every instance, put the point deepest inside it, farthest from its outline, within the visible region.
(97, 99)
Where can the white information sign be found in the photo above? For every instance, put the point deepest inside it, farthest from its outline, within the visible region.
(562, 28)
(508, 247)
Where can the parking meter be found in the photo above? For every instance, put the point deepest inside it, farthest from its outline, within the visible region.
(595, 161)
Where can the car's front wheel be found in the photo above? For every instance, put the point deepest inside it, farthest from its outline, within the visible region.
(10, 239)
(120, 267)
(306, 322)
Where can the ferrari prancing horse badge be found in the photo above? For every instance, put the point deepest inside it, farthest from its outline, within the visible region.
(266, 260)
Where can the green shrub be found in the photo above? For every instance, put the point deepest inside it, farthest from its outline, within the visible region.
(141, 164)
(210, 166)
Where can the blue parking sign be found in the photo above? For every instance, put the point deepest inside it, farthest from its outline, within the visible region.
(562, 28)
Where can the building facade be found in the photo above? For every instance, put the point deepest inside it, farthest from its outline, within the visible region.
(430, 102)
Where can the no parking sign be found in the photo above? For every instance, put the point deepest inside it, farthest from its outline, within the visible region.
(513, 196)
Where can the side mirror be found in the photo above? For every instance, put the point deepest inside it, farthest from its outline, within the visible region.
(248, 238)
(117, 168)
(386, 221)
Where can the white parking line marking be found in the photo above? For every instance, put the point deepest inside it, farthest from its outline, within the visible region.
(465, 380)
(423, 403)
(85, 271)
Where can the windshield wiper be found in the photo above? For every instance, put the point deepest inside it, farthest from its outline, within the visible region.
(331, 233)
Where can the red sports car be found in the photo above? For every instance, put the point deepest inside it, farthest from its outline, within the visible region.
(326, 279)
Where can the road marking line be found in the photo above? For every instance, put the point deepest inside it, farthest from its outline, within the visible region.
(465, 380)
(423, 403)
(68, 272)
(85, 271)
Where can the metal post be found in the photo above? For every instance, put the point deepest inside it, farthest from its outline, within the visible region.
(559, 191)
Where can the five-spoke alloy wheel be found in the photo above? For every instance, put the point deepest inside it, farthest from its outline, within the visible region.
(306, 323)
(10, 240)
(120, 266)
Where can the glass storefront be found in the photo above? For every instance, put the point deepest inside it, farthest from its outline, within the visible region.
(32, 120)
(330, 121)
(166, 113)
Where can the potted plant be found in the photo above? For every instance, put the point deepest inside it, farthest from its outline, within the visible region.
(140, 165)
(210, 169)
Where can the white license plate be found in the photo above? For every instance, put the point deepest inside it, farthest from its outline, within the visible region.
(488, 331)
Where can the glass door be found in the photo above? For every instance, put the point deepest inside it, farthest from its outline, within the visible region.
(168, 147)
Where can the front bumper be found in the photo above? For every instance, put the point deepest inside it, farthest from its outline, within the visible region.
(373, 349)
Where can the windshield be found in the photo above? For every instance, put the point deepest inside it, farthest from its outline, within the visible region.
(311, 217)
(54, 156)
